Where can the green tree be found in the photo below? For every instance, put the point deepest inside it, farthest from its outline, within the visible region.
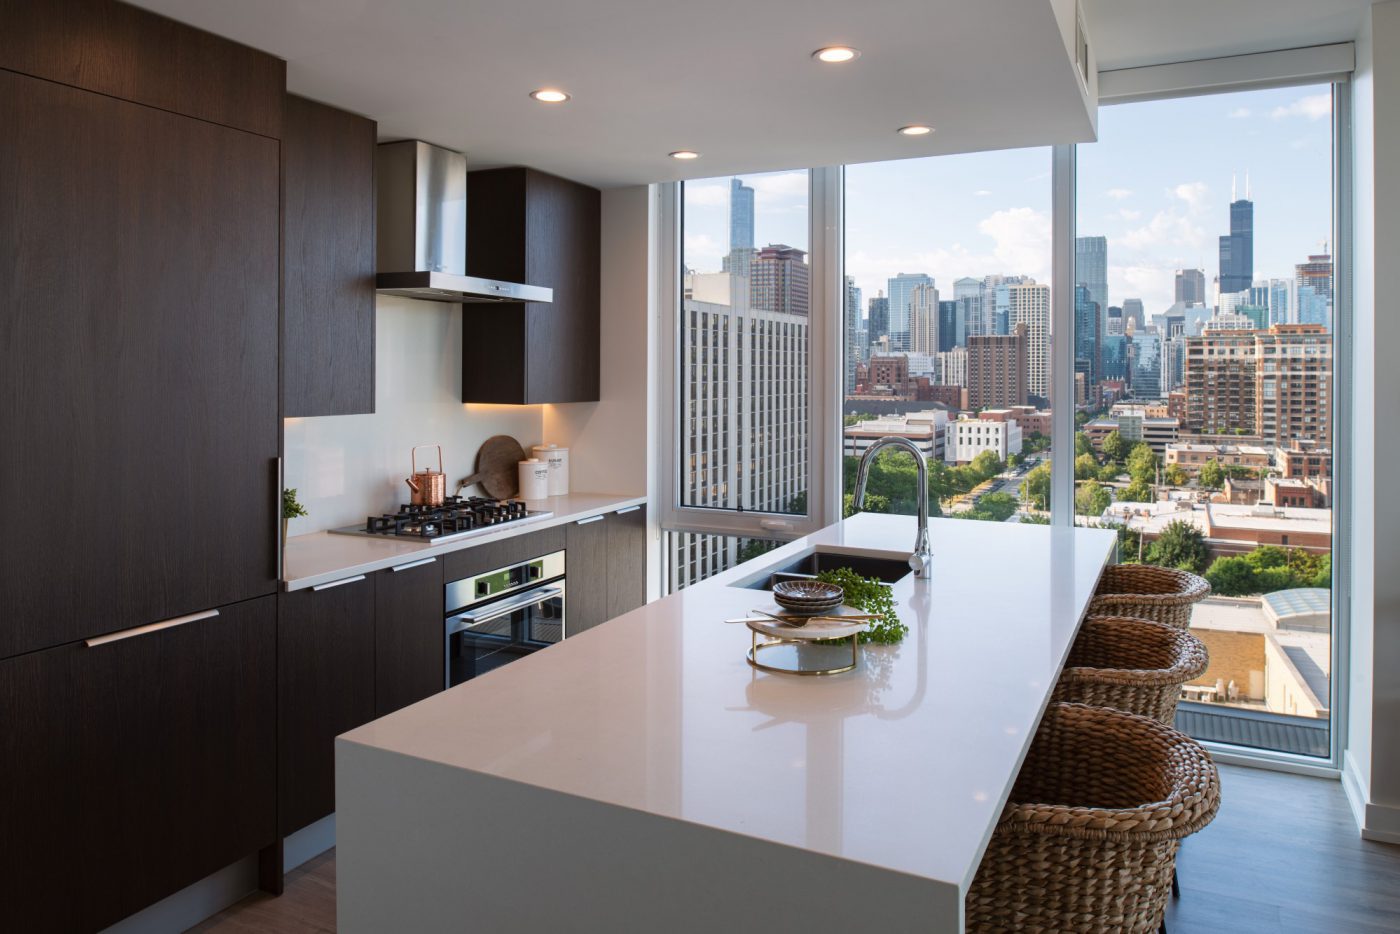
(753, 547)
(1211, 476)
(1031, 518)
(1115, 448)
(1035, 489)
(1322, 576)
(1085, 467)
(1231, 577)
(1176, 476)
(1142, 463)
(1109, 472)
(1181, 545)
(1135, 492)
(1082, 444)
(994, 507)
(986, 465)
(1091, 498)
(874, 502)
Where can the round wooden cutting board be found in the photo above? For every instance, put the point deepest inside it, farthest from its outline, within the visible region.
(497, 467)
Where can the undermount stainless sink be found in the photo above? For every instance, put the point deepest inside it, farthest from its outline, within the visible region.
(811, 563)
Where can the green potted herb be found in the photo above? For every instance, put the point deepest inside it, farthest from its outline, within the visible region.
(872, 596)
(291, 509)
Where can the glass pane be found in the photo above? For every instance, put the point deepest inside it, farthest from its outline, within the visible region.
(947, 332)
(744, 343)
(1203, 349)
(693, 556)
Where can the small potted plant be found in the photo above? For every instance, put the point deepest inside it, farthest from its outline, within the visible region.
(291, 509)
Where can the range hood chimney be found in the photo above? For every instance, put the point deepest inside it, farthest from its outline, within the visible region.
(421, 219)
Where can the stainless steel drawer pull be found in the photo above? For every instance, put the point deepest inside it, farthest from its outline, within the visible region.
(623, 512)
(149, 627)
(588, 520)
(412, 564)
(342, 583)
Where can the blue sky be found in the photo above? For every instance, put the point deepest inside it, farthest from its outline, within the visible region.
(1157, 184)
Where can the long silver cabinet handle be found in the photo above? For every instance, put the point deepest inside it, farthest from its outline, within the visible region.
(149, 627)
(278, 557)
(588, 520)
(623, 512)
(412, 564)
(340, 583)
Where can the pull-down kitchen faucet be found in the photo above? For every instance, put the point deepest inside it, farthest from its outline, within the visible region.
(922, 556)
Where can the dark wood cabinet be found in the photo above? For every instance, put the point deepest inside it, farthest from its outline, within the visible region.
(627, 560)
(138, 338)
(527, 226)
(135, 767)
(409, 660)
(325, 686)
(327, 260)
(586, 563)
(500, 554)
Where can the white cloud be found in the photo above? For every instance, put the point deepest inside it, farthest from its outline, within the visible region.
(1167, 228)
(982, 192)
(1129, 215)
(1193, 193)
(1239, 113)
(1313, 106)
(702, 251)
(1154, 284)
(1022, 238)
(1118, 194)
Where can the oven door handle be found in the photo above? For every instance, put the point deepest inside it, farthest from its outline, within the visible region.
(464, 621)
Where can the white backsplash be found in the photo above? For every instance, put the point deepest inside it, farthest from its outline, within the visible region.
(347, 467)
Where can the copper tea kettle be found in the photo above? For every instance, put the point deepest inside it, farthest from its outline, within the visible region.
(429, 486)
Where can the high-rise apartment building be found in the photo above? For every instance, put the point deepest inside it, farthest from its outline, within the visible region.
(779, 280)
(1029, 306)
(968, 293)
(1316, 273)
(1237, 247)
(952, 327)
(900, 291)
(1274, 383)
(923, 319)
(1088, 338)
(1191, 286)
(997, 369)
(877, 323)
(1220, 382)
(853, 329)
(1091, 268)
(1133, 317)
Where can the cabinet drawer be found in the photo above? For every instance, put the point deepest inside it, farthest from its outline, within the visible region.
(489, 557)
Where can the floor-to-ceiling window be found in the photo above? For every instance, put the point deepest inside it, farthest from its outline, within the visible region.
(1204, 320)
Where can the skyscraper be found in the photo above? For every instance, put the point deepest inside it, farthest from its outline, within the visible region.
(1029, 305)
(1283, 301)
(877, 324)
(1088, 338)
(1191, 286)
(1275, 383)
(900, 290)
(1313, 280)
(923, 320)
(1113, 322)
(779, 280)
(1132, 311)
(740, 216)
(1091, 268)
(996, 370)
(853, 333)
(952, 327)
(969, 293)
(1237, 248)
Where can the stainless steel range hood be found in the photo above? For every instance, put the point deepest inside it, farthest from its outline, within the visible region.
(421, 220)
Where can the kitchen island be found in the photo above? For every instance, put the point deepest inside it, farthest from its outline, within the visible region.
(643, 777)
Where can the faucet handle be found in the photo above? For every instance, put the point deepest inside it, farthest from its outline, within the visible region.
(920, 561)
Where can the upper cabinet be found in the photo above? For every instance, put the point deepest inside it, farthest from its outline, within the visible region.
(526, 226)
(327, 260)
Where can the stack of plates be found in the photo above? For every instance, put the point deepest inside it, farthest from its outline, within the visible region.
(807, 598)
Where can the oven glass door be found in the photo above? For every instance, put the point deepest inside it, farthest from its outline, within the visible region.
(493, 634)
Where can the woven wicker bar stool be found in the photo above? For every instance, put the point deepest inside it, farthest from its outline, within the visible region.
(1125, 791)
(1129, 664)
(1145, 591)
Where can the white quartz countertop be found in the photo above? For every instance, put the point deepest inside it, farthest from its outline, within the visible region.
(324, 557)
(902, 764)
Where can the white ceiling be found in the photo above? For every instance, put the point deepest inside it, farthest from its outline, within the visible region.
(731, 79)
(1129, 33)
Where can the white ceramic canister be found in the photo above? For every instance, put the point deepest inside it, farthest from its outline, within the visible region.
(558, 460)
(534, 479)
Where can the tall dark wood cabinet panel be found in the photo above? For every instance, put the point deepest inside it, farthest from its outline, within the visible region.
(627, 560)
(134, 768)
(325, 686)
(409, 660)
(328, 260)
(127, 52)
(587, 571)
(528, 226)
(138, 338)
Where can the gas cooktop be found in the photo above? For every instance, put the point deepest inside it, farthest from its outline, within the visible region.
(458, 517)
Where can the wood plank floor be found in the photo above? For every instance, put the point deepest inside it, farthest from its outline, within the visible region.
(1282, 856)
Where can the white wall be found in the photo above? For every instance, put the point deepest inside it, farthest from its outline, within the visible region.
(346, 467)
(1372, 767)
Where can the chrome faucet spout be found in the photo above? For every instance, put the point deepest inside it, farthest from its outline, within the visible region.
(922, 557)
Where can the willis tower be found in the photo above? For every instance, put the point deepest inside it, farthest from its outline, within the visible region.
(1237, 249)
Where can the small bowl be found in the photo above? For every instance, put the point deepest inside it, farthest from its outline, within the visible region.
(807, 598)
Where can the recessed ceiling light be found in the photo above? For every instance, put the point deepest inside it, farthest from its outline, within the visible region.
(836, 54)
(549, 96)
(685, 154)
(917, 129)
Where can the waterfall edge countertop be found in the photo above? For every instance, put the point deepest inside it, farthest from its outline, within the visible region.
(657, 782)
(324, 557)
